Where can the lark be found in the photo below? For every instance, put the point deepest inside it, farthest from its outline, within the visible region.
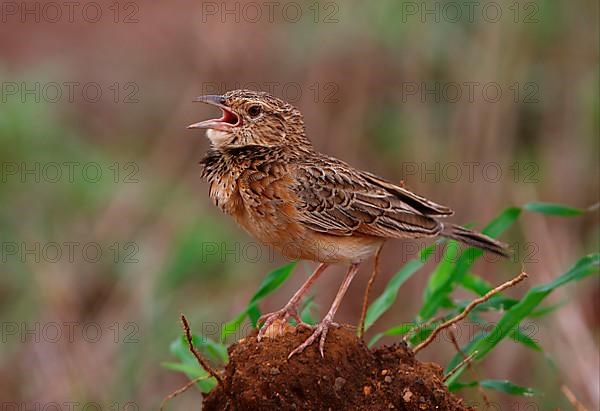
(264, 172)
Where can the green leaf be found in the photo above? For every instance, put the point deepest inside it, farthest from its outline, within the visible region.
(443, 270)
(512, 318)
(508, 387)
(518, 335)
(553, 209)
(495, 303)
(270, 283)
(306, 311)
(189, 370)
(475, 284)
(388, 296)
(504, 386)
(253, 313)
(467, 348)
(543, 311)
(215, 351)
(189, 366)
(233, 326)
(205, 385)
(464, 263)
(526, 340)
(501, 223)
(481, 287)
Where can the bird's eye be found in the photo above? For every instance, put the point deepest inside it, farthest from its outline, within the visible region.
(254, 111)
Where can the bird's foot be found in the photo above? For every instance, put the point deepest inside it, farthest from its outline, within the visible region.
(320, 330)
(290, 310)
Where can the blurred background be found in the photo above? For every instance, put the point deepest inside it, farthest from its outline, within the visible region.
(107, 231)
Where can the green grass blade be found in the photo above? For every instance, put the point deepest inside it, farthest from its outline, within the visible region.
(512, 318)
(508, 387)
(501, 223)
(479, 286)
(270, 283)
(306, 311)
(475, 284)
(233, 326)
(524, 339)
(253, 313)
(465, 262)
(544, 311)
(189, 366)
(443, 270)
(213, 350)
(517, 335)
(389, 294)
(504, 386)
(495, 303)
(553, 209)
(467, 348)
(192, 372)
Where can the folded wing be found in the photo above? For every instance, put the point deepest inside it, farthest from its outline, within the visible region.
(339, 200)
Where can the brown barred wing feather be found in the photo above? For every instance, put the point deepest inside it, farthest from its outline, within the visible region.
(339, 200)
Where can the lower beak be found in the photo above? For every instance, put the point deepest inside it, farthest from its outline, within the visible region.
(228, 119)
(213, 124)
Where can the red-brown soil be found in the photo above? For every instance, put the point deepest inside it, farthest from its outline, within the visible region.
(350, 376)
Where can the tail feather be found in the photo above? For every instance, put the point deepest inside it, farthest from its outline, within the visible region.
(476, 239)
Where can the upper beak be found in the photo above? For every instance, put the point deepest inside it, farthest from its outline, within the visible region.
(228, 119)
(211, 99)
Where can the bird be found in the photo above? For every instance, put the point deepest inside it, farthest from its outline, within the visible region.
(265, 173)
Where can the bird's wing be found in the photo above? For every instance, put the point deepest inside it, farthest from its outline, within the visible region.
(339, 200)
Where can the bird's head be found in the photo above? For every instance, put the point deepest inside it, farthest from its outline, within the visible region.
(252, 118)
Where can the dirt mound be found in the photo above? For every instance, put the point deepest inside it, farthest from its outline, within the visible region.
(350, 377)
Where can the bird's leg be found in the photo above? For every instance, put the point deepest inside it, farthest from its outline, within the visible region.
(322, 328)
(291, 308)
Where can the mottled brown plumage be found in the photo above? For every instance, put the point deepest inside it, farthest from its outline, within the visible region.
(264, 172)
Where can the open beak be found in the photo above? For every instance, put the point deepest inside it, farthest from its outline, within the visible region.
(227, 121)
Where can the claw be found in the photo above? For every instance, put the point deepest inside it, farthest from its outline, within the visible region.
(320, 330)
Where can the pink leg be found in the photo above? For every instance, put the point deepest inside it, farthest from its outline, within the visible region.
(322, 328)
(291, 308)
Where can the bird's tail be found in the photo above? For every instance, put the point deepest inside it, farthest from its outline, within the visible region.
(475, 239)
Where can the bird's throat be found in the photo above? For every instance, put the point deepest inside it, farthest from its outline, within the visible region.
(218, 138)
